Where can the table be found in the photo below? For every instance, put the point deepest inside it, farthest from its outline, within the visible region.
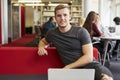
(107, 40)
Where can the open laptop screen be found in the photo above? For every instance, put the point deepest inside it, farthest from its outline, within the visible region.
(71, 74)
(117, 30)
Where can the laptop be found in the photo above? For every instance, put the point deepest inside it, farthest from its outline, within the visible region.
(117, 30)
(71, 74)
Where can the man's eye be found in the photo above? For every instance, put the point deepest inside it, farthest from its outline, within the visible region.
(65, 14)
(58, 15)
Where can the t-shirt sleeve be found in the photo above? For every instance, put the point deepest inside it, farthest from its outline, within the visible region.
(84, 36)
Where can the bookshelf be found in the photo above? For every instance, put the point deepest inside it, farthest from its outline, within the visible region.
(48, 11)
(76, 13)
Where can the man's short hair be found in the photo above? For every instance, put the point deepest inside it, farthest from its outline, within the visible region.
(61, 6)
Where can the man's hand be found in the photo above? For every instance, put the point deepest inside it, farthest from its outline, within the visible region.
(41, 47)
(42, 51)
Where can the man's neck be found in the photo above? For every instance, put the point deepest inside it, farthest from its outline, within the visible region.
(65, 29)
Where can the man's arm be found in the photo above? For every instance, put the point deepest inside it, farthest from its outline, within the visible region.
(85, 59)
(41, 47)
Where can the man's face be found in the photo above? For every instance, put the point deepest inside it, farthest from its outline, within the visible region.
(62, 17)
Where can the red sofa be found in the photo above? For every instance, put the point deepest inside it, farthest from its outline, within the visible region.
(25, 60)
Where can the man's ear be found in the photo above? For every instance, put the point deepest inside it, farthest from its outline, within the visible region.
(55, 18)
(70, 17)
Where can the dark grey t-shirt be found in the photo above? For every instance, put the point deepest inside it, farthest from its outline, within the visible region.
(69, 44)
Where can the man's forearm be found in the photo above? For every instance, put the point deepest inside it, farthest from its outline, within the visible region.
(41, 47)
(84, 60)
(42, 43)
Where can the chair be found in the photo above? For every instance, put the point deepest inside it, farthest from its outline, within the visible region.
(108, 48)
(96, 54)
(96, 44)
(118, 52)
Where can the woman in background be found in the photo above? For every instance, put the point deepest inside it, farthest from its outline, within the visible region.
(91, 24)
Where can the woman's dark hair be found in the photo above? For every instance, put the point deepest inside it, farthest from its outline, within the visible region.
(89, 21)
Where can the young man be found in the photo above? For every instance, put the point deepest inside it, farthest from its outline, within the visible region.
(73, 44)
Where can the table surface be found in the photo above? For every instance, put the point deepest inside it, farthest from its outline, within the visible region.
(107, 41)
(114, 37)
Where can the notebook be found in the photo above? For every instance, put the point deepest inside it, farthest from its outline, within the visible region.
(71, 74)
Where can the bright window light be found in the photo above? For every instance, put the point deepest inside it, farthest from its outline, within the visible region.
(34, 4)
(29, 1)
(56, 4)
